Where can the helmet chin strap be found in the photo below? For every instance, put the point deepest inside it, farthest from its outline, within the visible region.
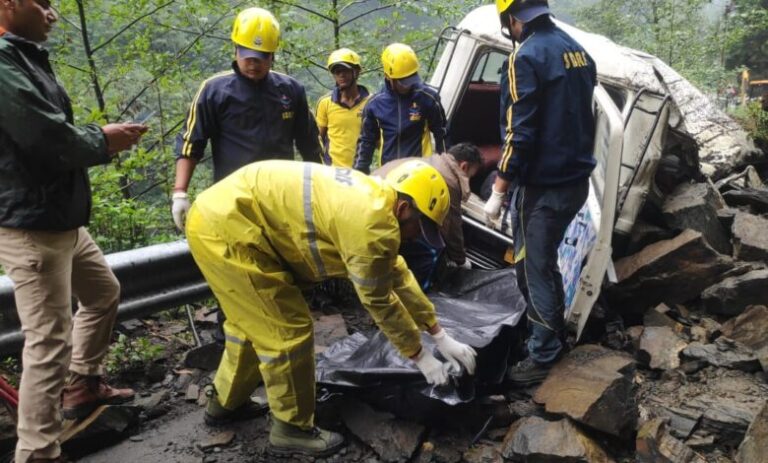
(505, 28)
(505, 32)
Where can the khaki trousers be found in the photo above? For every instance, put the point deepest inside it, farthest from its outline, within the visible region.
(47, 269)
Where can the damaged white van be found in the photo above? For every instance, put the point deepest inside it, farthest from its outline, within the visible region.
(647, 115)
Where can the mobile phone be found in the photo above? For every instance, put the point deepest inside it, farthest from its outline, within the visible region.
(143, 117)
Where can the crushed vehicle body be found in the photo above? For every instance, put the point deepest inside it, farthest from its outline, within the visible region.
(654, 131)
(653, 128)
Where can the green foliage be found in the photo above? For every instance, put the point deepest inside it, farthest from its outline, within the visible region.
(755, 120)
(747, 43)
(130, 354)
(698, 38)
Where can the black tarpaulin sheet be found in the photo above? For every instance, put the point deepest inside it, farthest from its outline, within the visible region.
(476, 307)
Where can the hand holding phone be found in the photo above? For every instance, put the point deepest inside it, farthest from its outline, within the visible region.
(121, 137)
(143, 117)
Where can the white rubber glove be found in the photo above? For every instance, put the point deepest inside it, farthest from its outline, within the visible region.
(179, 208)
(492, 207)
(455, 352)
(435, 371)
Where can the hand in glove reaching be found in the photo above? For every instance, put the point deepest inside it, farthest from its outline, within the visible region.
(455, 352)
(435, 371)
(179, 209)
(492, 208)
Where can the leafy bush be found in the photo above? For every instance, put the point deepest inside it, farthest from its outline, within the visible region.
(755, 121)
(131, 354)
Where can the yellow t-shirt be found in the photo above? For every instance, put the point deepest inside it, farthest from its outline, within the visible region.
(343, 124)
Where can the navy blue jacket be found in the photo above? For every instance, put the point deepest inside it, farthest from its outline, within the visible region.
(550, 137)
(404, 122)
(249, 121)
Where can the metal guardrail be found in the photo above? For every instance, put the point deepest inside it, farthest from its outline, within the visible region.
(153, 278)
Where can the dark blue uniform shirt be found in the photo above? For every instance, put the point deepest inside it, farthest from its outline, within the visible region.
(402, 123)
(249, 121)
(550, 136)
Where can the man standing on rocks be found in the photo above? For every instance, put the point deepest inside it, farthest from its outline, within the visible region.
(256, 254)
(45, 203)
(548, 151)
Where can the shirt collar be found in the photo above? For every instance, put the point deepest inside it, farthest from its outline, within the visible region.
(336, 96)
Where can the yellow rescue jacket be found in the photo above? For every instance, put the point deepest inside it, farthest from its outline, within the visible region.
(325, 222)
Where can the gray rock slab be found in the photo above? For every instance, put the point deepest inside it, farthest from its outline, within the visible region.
(670, 271)
(654, 444)
(660, 348)
(723, 354)
(695, 206)
(733, 295)
(754, 447)
(750, 237)
(592, 385)
(206, 357)
(393, 439)
(755, 198)
(658, 317)
(723, 415)
(644, 234)
(750, 328)
(535, 439)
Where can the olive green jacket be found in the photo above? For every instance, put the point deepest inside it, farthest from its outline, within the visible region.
(43, 156)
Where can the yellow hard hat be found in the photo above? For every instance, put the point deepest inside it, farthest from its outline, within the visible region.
(425, 185)
(524, 10)
(503, 5)
(343, 56)
(256, 29)
(399, 61)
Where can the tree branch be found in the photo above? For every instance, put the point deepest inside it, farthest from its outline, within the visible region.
(66, 20)
(129, 25)
(189, 32)
(304, 58)
(72, 66)
(355, 18)
(352, 3)
(308, 10)
(178, 56)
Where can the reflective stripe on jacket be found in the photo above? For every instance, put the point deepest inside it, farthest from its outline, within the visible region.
(550, 133)
(249, 121)
(326, 222)
(402, 123)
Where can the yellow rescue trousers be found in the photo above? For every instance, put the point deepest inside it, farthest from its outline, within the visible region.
(268, 330)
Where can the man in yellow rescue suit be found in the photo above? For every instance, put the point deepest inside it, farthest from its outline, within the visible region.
(272, 226)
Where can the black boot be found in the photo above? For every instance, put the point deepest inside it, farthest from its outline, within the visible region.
(528, 373)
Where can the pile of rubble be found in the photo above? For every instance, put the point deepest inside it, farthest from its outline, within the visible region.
(678, 374)
(696, 291)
